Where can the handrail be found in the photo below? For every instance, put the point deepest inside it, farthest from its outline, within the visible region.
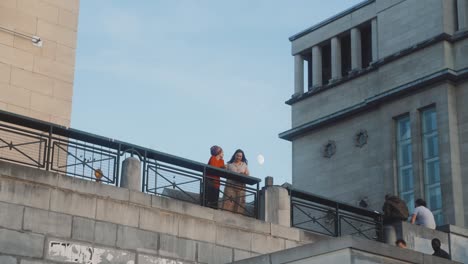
(316, 213)
(332, 203)
(58, 130)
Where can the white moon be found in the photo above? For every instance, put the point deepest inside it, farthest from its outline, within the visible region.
(260, 159)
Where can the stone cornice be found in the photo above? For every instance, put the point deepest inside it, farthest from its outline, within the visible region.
(331, 19)
(377, 64)
(378, 99)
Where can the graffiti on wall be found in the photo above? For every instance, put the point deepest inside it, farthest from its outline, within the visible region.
(85, 254)
(157, 260)
(72, 252)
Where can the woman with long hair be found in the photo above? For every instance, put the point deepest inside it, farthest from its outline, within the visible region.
(234, 192)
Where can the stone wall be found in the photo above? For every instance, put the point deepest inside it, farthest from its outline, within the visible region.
(417, 65)
(38, 81)
(462, 98)
(458, 240)
(400, 24)
(47, 217)
(346, 250)
(408, 22)
(453, 239)
(349, 174)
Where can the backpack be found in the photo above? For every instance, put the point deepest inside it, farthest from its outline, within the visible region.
(395, 208)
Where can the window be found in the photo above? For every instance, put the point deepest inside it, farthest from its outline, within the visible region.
(308, 58)
(366, 45)
(431, 167)
(405, 161)
(345, 54)
(326, 62)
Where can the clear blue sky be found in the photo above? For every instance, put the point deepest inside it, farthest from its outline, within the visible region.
(178, 76)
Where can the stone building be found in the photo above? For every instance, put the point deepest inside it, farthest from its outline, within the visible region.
(380, 106)
(37, 58)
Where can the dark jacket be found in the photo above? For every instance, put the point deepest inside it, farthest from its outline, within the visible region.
(394, 210)
(441, 253)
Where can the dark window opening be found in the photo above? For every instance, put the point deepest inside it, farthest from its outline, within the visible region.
(345, 54)
(366, 45)
(308, 59)
(326, 63)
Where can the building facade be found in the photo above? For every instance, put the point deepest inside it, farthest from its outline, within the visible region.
(380, 106)
(37, 58)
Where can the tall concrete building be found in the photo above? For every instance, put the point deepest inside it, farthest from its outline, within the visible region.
(37, 57)
(380, 106)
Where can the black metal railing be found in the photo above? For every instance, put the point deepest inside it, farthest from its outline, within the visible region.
(48, 146)
(237, 193)
(321, 215)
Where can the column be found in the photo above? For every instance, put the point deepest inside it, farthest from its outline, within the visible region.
(462, 10)
(374, 40)
(276, 204)
(316, 66)
(356, 58)
(131, 174)
(336, 58)
(298, 74)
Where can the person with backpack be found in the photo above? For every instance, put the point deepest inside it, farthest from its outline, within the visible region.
(394, 212)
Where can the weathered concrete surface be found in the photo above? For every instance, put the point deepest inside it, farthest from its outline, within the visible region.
(277, 206)
(46, 222)
(81, 217)
(458, 241)
(131, 174)
(8, 260)
(345, 250)
(39, 80)
(21, 244)
(419, 238)
(153, 234)
(410, 44)
(69, 251)
(11, 216)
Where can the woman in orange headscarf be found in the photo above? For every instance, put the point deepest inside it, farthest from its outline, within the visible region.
(212, 181)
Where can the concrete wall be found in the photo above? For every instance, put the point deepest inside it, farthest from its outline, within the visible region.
(400, 24)
(409, 22)
(419, 238)
(454, 240)
(458, 240)
(334, 28)
(346, 250)
(47, 217)
(462, 98)
(348, 174)
(389, 76)
(38, 81)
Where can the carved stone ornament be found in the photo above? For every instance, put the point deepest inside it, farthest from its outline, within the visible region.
(329, 149)
(360, 139)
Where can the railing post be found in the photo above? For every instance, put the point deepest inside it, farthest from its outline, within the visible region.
(257, 202)
(131, 174)
(337, 221)
(143, 179)
(291, 206)
(380, 237)
(203, 189)
(49, 146)
(276, 204)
